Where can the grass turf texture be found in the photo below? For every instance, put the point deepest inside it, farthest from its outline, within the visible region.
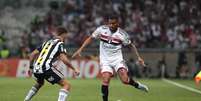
(12, 89)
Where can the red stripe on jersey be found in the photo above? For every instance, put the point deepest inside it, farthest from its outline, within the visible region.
(103, 39)
(105, 36)
(116, 40)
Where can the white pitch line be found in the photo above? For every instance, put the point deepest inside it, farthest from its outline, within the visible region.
(182, 86)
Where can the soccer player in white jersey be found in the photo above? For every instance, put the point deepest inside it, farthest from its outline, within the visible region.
(112, 38)
(42, 60)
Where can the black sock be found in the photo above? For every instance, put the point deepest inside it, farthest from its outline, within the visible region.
(105, 91)
(133, 83)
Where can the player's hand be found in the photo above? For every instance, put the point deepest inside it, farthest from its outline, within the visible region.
(30, 72)
(77, 53)
(141, 61)
(77, 72)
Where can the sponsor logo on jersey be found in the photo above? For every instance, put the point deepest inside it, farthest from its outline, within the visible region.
(50, 79)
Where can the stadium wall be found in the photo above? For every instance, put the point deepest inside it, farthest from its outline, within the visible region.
(20, 67)
(90, 68)
(171, 58)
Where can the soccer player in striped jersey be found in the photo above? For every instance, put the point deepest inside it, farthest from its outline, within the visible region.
(42, 67)
(112, 38)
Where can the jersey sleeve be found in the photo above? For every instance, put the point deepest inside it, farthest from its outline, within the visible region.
(62, 49)
(96, 33)
(126, 39)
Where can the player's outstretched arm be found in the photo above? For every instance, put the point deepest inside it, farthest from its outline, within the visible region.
(66, 61)
(140, 60)
(33, 55)
(86, 42)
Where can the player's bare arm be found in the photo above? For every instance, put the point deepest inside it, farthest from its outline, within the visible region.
(140, 60)
(32, 56)
(86, 42)
(66, 61)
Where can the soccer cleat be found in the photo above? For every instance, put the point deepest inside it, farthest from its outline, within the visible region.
(143, 87)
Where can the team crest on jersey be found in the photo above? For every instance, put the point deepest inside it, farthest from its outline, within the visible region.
(104, 27)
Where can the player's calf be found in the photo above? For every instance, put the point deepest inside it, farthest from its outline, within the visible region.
(33, 91)
(124, 76)
(138, 85)
(126, 80)
(39, 85)
(63, 93)
(106, 76)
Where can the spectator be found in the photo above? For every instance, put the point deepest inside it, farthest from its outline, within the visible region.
(24, 52)
(133, 69)
(4, 52)
(182, 67)
(162, 68)
(152, 24)
(2, 38)
(197, 62)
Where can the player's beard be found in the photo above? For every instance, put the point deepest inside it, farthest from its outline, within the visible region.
(113, 30)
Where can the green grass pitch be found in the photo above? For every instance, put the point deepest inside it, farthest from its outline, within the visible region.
(12, 89)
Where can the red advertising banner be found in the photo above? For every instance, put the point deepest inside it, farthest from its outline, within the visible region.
(88, 68)
(8, 67)
(20, 67)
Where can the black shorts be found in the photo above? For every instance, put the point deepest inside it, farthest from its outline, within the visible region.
(52, 75)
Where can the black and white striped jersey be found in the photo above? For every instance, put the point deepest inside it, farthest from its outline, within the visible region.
(49, 52)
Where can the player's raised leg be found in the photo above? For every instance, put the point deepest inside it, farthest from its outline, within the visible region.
(106, 76)
(34, 90)
(64, 91)
(123, 75)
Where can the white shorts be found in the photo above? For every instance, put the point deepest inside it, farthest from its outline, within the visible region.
(111, 66)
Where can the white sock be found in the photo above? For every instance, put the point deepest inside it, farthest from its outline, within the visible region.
(31, 93)
(63, 94)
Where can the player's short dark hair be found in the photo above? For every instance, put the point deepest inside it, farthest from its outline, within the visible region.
(113, 16)
(61, 30)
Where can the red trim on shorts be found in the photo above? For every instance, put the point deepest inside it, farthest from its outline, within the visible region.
(106, 72)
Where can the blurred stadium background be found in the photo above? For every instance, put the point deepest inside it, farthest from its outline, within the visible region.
(166, 32)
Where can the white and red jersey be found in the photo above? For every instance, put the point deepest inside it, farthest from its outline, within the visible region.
(111, 43)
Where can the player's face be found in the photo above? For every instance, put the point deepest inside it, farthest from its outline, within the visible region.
(65, 35)
(113, 24)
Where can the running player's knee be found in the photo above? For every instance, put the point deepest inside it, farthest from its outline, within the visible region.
(125, 81)
(122, 71)
(65, 85)
(39, 85)
(123, 75)
(105, 81)
(106, 78)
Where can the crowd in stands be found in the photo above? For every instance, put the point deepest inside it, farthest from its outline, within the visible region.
(158, 24)
(150, 23)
